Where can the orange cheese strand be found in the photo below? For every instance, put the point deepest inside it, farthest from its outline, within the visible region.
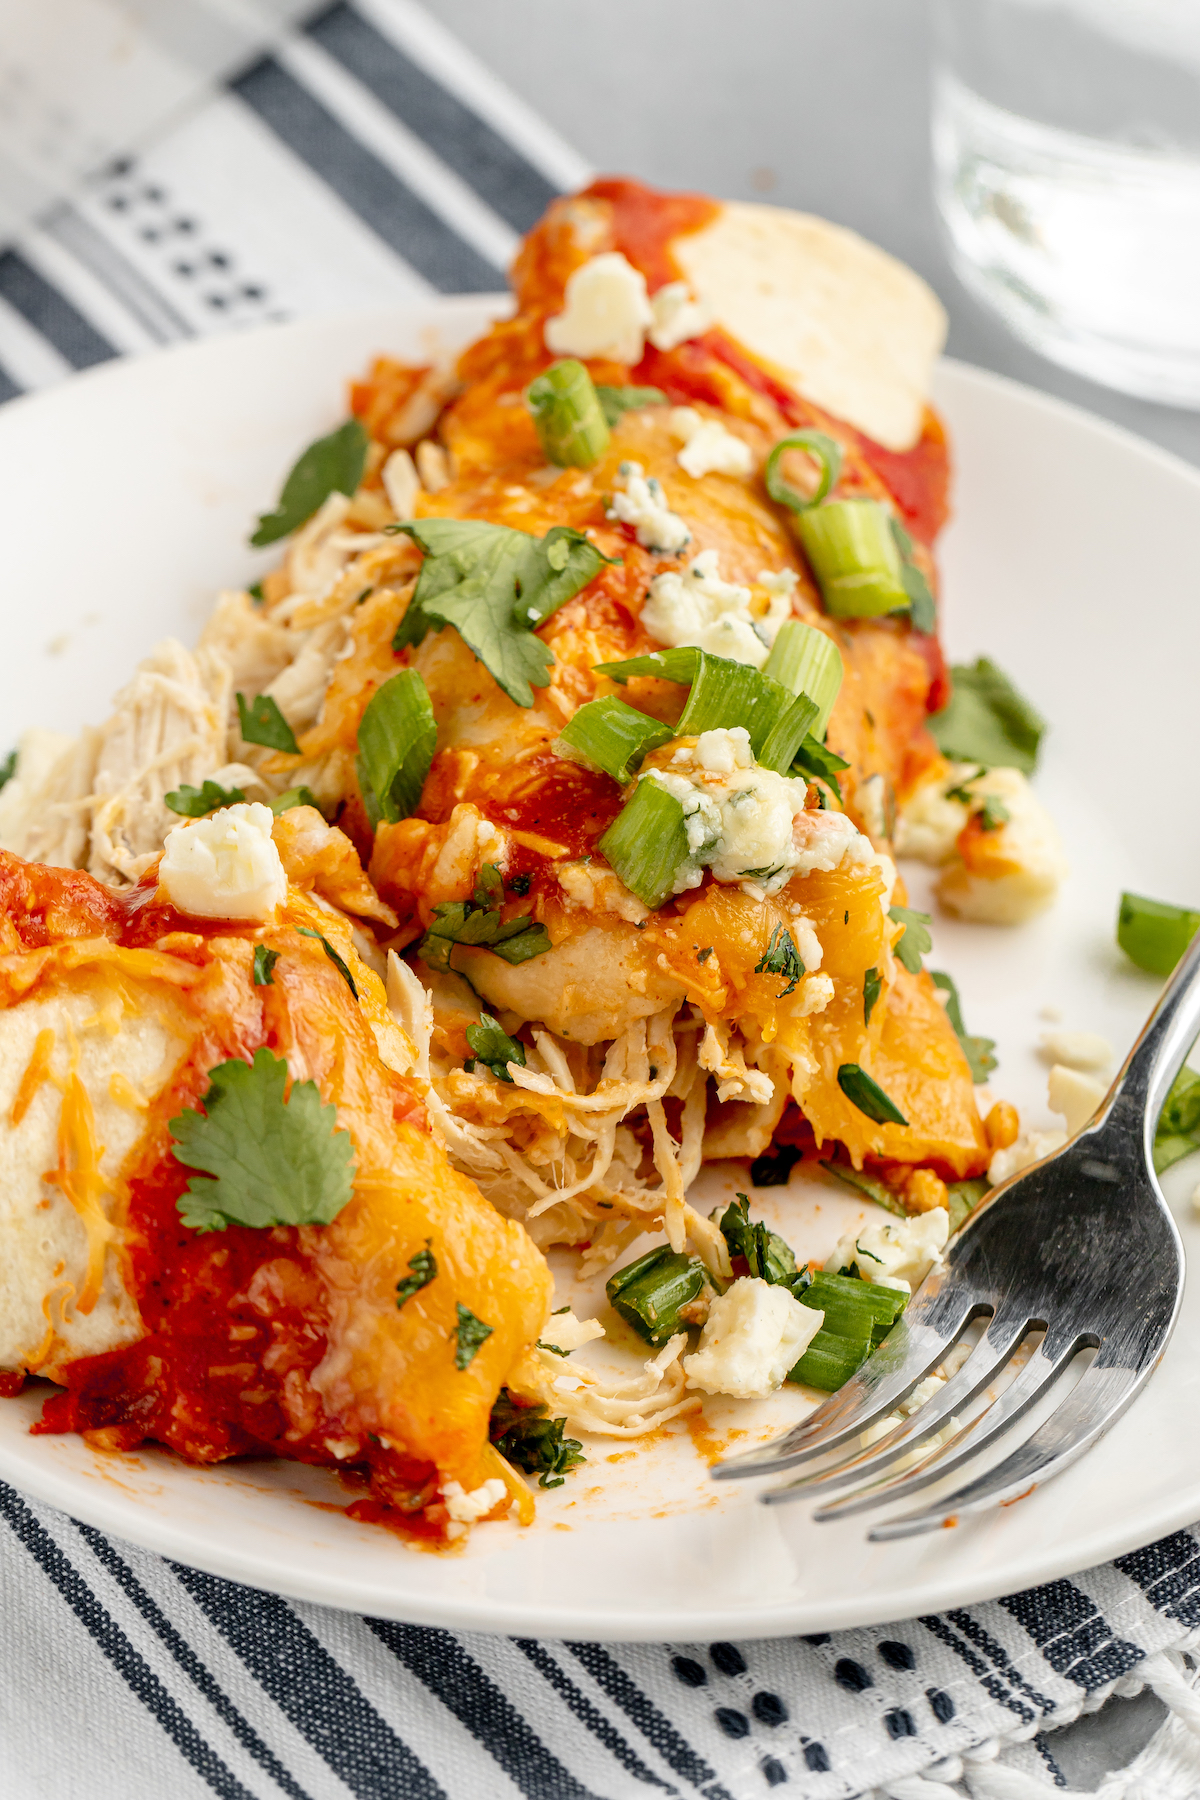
(37, 1071)
(79, 1178)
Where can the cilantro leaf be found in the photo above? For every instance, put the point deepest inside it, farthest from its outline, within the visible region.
(470, 1335)
(494, 585)
(914, 941)
(615, 401)
(819, 763)
(993, 813)
(8, 769)
(271, 1160)
(866, 1183)
(525, 1437)
(774, 1167)
(987, 720)
(262, 723)
(424, 1270)
(977, 1050)
(264, 962)
(198, 802)
(872, 988)
(341, 967)
(494, 1047)
(864, 1092)
(781, 957)
(333, 464)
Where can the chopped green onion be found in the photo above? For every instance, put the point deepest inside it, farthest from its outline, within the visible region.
(1153, 933)
(914, 941)
(616, 401)
(1178, 1130)
(807, 661)
(872, 988)
(867, 1095)
(613, 737)
(568, 416)
(977, 1050)
(767, 1255)
(964, 1197)
(297, 796)
(825, 451)
(855, 558)
(261, 722)
(647, 843)
(493, 1046)
(338, 962)
(987, 721)
(830, 1361)
(854, 1308)
(397, 736)
(877, 1190)
(923, 609)
(819, 763)
(198, 802)
(648, 1293)
(727, 694)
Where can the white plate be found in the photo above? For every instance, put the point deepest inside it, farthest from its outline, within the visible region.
(1074, 558)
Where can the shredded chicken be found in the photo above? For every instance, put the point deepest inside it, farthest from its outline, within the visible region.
(613, 1406)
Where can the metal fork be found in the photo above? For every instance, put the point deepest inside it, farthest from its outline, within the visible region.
(1080, 1247)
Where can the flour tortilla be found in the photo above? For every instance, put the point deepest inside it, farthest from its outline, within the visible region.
(832, 316)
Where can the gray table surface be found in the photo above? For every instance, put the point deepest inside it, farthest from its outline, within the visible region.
(821, 107)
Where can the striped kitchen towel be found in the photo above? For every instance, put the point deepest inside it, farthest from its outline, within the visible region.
(299, 163)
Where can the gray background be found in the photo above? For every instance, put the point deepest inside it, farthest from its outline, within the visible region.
(822, 105)
(817, 104)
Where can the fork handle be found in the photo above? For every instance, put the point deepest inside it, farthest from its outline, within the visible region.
(1140, 1090)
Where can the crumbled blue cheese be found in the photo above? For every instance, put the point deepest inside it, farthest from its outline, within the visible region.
(754, 1335)
(225, 866)
(464, 1508)
(642, 504)
(739, 817)
(695, 606)
(1029, 866)
(899, 1253)
(678, 315)
(607, 312)
(709, 448)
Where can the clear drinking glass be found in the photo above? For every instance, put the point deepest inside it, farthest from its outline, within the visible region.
(1067, 174)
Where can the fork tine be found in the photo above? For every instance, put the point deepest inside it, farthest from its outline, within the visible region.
(906, 1356)
(1044, 1367)
(989, 1357)
(1100, 1397)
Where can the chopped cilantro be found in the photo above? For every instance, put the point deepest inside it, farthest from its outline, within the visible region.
(334, 464)
(494, 1047)
(470, 1335)
(331, 953)
(914, 940)
(614, 401)
(495, 586)
(264, 962)
(774, 1167)
(198, 802)
(993, 813)
(702, 956)
(977, 1050)
(424, 1269)
(872, 988)
(879, 1190)
(297, 796)
(520, 884)
(867, 1095)
(477, 923)
(767, 1255)
(255, 591)
(261, 722)
(987, 720)
(818, 762)
(269, 1160)
(532, 1442)
(8, 769)
(781, 957)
